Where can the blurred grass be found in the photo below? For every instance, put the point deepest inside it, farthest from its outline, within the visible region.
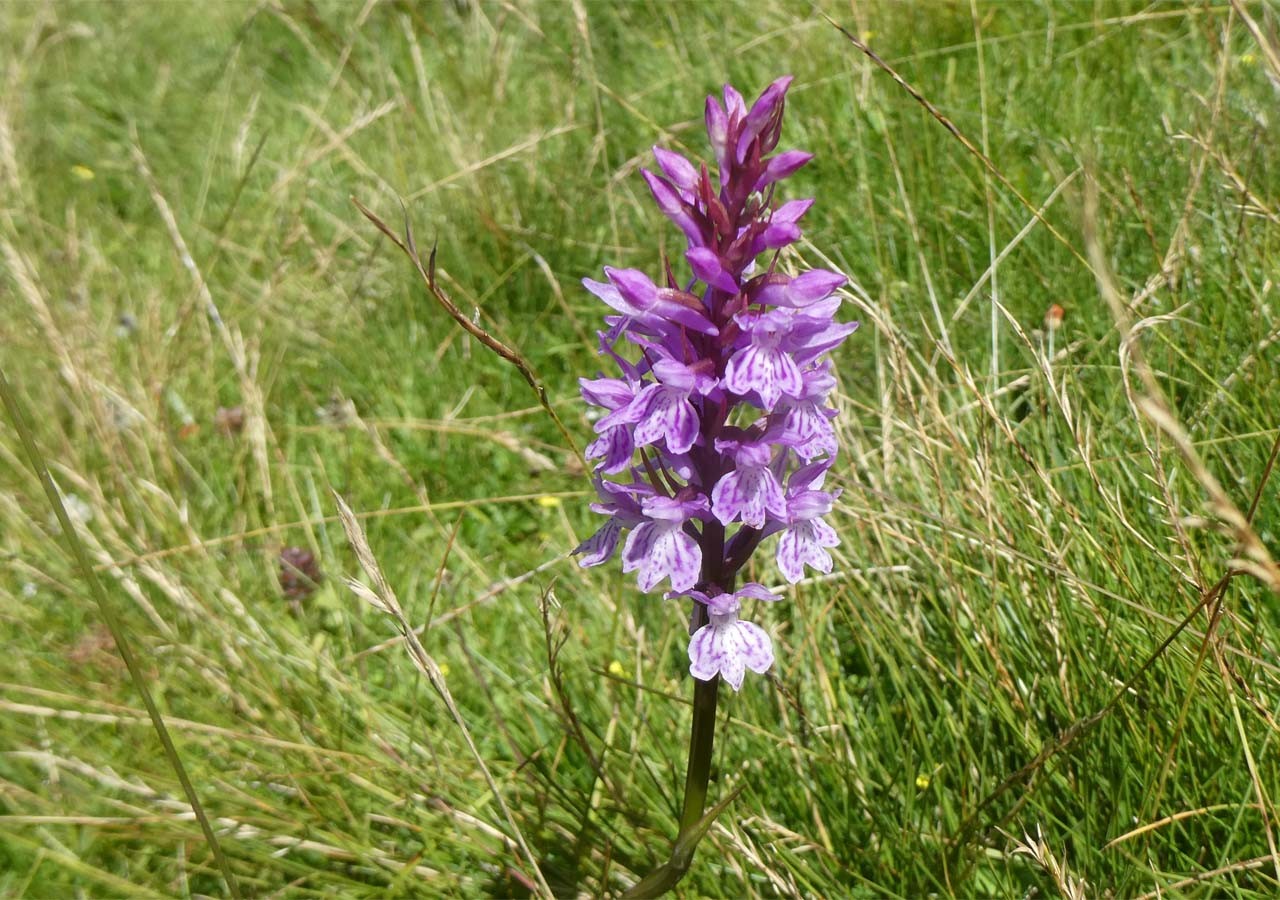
(1014, 547)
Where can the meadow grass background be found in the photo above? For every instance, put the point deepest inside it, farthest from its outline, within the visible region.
(962, 709)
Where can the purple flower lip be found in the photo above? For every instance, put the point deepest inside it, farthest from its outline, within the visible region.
(726, 646)
(659, 548)
(751, 493)
(663, 411)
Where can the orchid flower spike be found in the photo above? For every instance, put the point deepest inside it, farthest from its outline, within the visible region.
(718, 422)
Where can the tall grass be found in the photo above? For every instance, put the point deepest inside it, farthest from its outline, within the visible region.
(1047, 660)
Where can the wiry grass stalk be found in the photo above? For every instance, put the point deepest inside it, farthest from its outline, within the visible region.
(122, 643)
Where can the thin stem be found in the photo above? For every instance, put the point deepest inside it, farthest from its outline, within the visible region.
(692, 826)
(701, 742)
(701, 738)
(718, 575)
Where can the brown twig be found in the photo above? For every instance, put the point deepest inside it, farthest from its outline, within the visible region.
(554, 643)
(428, 272)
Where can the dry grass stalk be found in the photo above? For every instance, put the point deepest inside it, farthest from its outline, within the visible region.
(381, 597)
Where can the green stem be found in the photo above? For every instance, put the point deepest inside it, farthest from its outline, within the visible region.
(698, 776)
(701, 742)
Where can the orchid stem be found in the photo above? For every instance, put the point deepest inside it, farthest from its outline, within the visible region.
(697, 778)
(701, 742)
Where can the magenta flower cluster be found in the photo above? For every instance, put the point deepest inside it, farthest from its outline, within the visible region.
(721, 426)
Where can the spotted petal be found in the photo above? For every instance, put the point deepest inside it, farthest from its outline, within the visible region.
(660, 550)
(808, 430)
(769, 371)
(665, 413)
(804, 543)
(752, 492)
(728, 648)
(613, 448)
(600, 547)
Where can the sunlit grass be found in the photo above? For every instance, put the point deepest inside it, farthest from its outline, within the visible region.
(1015, 546)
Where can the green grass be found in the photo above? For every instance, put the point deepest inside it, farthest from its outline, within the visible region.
(1019, 538)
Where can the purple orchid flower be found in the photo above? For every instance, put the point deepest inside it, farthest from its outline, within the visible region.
(805, 537)
(659, 547)
(615, 446)
(804, 422)
(664, 411)
(621, 505)
(727, 646)
(764, 365)
(751, 491)
(729, 398)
